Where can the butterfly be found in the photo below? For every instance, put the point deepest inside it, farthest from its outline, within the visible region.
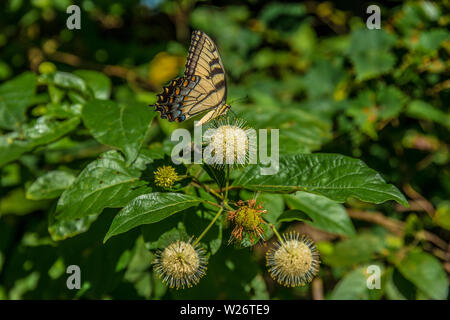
(203, 87)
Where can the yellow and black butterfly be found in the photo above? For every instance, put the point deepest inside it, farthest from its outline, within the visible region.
(202, 88)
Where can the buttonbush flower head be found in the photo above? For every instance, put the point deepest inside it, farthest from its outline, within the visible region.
(247, 218)
(180, 264)
(294, 261)
(166, 176)
(231, 143)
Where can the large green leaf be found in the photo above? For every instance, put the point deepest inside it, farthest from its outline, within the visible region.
(120, 126)
(325, 213)
(50, 185)
(334, 176)
(38, 132)
(15, 96)
(149, 208)
(426, 272)
(105, 183)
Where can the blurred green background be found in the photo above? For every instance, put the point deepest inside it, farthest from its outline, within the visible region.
(312, 69)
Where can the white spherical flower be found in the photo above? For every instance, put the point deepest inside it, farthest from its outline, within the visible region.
(180, 264)
(230, 143)
(294, 262)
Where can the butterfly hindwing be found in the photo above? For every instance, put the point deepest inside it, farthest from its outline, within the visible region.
(202, 88)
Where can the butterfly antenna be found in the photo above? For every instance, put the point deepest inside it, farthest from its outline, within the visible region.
(239, 99)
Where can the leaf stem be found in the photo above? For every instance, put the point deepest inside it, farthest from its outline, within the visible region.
(209, 226)
(213, 203)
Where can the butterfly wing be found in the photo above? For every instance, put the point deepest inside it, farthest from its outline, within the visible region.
(202, 88)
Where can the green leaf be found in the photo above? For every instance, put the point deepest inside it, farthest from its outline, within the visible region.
(442, 215)
(433, 39)
(298, 130)
(15, 96)
(293, 215)
(397, 287)
(104, 183)
(120, 126)
(160, 235)
(98, 82)
(322, 79)
(65, 80)
(273, 203)
(149, 208)
(15, 202)
(354, 251)
(50, 185)
(369, 107)
(325, 213)
(63, 229)
(426, 272)
(363, 111)
(369, 52)
(45, 129)
(353, 286)
(422, 110)
(217, 174)
(12, 149)
(390, 101)
(274, 10)
(40, 131)
(334, 176)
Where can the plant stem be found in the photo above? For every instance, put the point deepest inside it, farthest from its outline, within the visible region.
(227, 183)
(207, 188)
(209, 226)
(276, 233)
(227, 206)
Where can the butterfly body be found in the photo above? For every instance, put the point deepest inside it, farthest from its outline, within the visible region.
(202, 88)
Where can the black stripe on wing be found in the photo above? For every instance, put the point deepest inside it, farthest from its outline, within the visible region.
(195, 50)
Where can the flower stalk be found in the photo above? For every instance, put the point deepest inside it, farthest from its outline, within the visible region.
(209, 226)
